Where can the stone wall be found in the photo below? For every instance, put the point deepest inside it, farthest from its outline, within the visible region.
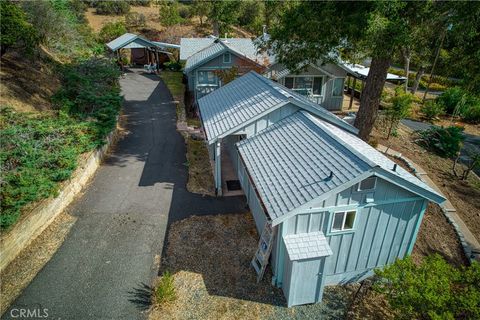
(38, 218)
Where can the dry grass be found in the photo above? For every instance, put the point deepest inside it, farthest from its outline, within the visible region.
(200, 176)
(463, 195)
(26, 84)
(96, 21)
(209, 258)
(18, 274)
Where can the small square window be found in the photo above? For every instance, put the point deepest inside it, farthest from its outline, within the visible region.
(227, 58)
(343, 221)
(367, 184)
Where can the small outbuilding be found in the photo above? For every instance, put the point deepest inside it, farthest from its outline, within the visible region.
(142, 50)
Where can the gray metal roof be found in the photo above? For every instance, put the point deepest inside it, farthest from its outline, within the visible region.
(238, 102)
(307, 245)
(132, 41)
(291, 163)
(204, 55)
(190, 46)
(166, 45)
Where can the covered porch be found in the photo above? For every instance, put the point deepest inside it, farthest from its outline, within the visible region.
(142, 51)
(225, 163)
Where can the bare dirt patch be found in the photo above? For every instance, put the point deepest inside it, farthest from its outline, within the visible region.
(209, 258)
(21, 271)
(27, 83)
(464, 195)
(200, 176)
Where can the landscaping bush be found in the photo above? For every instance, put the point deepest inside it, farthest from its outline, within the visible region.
(173, 65)
(472, 112)
(39, 151)
(165, 291)
(446, 142)
(450, 99)
(144, 3)
(135, 20)
(432, 290)
(112, 7)
(400, 108)
(457, 101)
(431, 110)
(111, 30)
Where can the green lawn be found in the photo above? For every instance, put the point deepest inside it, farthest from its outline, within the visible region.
(173, 80)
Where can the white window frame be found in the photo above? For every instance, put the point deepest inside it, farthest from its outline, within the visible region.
(332, 230)
(199, 84)
(322, 89)
(229, 55)
(364, 190)
(333, 87)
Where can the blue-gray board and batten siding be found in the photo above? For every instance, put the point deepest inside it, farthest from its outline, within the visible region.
(384, 230)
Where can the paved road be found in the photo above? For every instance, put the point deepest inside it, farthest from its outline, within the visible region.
(122, 218)
(471, 143)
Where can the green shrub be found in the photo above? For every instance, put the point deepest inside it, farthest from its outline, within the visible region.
(111, 30)
(432, 290)
(431, 110)
(173, 65)
(135, 20)
(165, 291)
(400, 108)
(39, 151)
(450, 99)
(112, 7)
(472, 113)
(459, 102)
(446, 142)
(144, 3)
(169, 13)
(184, 11)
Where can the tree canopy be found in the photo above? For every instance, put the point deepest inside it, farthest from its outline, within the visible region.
(320, 32)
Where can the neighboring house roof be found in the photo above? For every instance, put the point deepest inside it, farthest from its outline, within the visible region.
(361, 72)
(243, 100)
(220, 46)
(304, 158)
(133, 41)
(190, 46)
(307, 245)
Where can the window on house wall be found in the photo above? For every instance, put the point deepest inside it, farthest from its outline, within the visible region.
(343, 220)
(337, 87)
(207, 78)
(305, 84)
(367, 184)
(227, 58)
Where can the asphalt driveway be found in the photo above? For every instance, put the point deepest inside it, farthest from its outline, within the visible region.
(115, 245)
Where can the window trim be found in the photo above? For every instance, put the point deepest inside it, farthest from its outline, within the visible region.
(229, 59)
(333, 87)
(343, 230)
(200, 84)
(322, 88)
(366, 190)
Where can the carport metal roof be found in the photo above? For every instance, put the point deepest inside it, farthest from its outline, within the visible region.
(133, 41)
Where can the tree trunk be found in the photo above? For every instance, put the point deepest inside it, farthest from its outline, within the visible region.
(418, 77)
(370, 98)
(216, 28)
(406, 57)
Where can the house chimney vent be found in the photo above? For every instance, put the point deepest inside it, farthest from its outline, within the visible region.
(395, 167)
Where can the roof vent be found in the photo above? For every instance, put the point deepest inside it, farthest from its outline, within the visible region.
(395, 167)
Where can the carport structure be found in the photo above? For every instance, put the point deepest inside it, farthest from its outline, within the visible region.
(143, 50)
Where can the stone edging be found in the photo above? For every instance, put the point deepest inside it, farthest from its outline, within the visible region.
(467, 249)
(33, 223)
